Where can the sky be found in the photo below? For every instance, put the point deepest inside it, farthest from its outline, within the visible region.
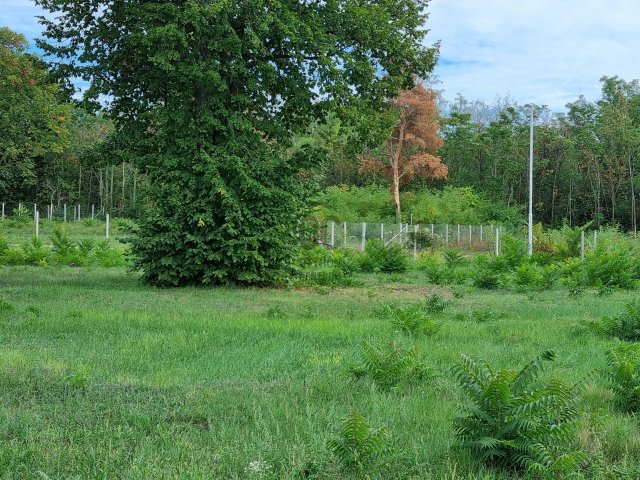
(543, 51)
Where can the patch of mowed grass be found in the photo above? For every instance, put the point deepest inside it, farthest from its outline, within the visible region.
(103, 377)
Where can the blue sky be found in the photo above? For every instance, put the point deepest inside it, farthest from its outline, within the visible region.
(545, 51)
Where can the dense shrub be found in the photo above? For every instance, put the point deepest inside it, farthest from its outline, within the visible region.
(433, 268)
(422, 239)
(517, 420)
(486, 272)
(379, 257)
(346, 260)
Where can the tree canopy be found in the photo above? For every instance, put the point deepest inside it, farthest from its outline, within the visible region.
(206, 94)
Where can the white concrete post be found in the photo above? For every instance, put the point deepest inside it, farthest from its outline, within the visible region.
(107, 226)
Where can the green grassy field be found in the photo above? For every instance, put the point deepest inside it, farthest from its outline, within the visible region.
(102, 377)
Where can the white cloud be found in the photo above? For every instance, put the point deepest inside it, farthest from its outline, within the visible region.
(546, 51)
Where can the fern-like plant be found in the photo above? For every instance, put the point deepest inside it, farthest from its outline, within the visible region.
(624, 364)
(391, 366)
(625, 326)
(359, 445)
(435, 304)
(517, 420)
(410, 320)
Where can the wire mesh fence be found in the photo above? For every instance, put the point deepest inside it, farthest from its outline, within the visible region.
(355, 235)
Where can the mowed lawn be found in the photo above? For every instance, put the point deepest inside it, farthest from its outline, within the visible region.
(102, 377)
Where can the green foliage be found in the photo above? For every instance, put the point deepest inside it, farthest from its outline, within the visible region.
(515, 419)
(453, 258)
(570, 246)
(35, 253)
(346, 260)
(379, 257)
(624, 364)
(435, 303)
(487, 272)
(411, 320)
(21, 215)
(4, 246)
(422, 239)
(514, 251)
(326, 277)
(223, 86)
(430, 264)
(610, 268)
(625, 326)
(359, 445)
(391, 367)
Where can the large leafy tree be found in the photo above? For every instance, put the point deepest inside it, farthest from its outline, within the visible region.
(207, 93)
(33, 119)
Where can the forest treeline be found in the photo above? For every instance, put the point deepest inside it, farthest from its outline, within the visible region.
(586, 160)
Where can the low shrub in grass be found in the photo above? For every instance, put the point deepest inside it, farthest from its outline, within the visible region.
(391, 366)
(411, 320)
(346, 260)
(624, 373)
(487, 272)
(435, 303)
(35, 253)
(4, 246)
(21, 216)
(313, 256)
(358, 445)
(381, 258)
(514, 252)
(516, 419)
(431, 265)
(625, 326)
(609, 268)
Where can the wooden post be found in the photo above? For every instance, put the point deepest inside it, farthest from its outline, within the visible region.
(364, 236)
(107, 226)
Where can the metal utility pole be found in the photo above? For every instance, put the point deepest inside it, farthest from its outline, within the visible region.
(531, 186)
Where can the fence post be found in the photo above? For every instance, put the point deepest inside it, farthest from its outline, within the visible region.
(64, 210)
(382, 232)
(497, 241)
(432, 229)
(415, 241)
(78, 212)
(93, 211)
(595, 239)
(582, 245)
(446, 234)
(51, 216)
(364, 236)
(458, 235)
(480, 233)
(35, 211)
(470, 239)
(333, 234)
(107, 226)
(345, 234)
(37, 219)
(3, 210)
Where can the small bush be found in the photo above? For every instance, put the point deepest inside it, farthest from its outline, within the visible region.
(435, 304)
(453, 258)
(391, 367)
(35, 253)
(409, 320)
(625, 326)
(4, 246)
(358, 445)
(346, 260)
(609, 269)
(514, 251)
(21, 215)
(379, 257)
(430, 264)
(515, 419)
(313, 257)
(484, 273)
(624, 364)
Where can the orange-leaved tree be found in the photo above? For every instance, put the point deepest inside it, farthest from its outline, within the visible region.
(413, 144)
